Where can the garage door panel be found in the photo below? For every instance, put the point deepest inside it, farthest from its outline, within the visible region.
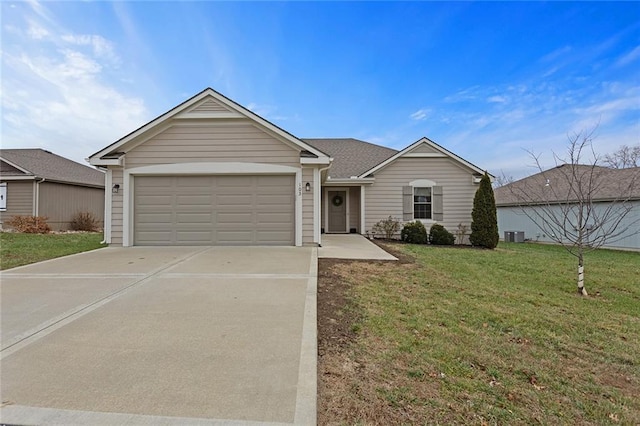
(193, 181)
(194, 200)
(269, 237)
(231, 200)
(155, 237)
(154, 200)
(160, 182)
(234, 236)
(193, 219)
(154, 218)
(274, 218)
(273, 200)
(214, 210)
(193, 237)
(235, 181)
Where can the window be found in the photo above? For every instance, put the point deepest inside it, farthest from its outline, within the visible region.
(3, 196)
(422, 203)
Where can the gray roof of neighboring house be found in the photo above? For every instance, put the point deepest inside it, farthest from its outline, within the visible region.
(553, 185)
(44, 164)
(351, 157)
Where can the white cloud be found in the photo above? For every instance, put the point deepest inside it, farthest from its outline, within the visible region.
(420, 114)
(629, 57)
(60, 90)
(36, 32)
(498, 99)
(102, 48)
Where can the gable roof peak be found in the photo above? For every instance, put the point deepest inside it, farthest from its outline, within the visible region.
(237, 109)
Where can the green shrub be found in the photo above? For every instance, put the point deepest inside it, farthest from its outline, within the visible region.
(414, 233)
(387, 227)
(484, 219)
(30, 224)
(84, 221)
(439, 236)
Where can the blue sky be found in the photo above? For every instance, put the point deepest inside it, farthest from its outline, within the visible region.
(485, 80)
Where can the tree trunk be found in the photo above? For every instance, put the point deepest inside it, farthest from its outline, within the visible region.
(581, 290)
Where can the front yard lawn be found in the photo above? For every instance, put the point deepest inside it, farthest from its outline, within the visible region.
(21, 249)
(465, 336)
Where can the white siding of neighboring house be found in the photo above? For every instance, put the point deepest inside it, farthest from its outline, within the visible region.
(512, 218)
(384, 197)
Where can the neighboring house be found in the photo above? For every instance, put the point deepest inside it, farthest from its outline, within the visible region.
(212, 172)
(549, 189)
(36, 182)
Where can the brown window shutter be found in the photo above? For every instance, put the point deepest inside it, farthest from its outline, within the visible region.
(436, 195)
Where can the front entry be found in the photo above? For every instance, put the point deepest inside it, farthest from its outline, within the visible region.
(337, 211)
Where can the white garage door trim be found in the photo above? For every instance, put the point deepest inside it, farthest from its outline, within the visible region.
(204, 168)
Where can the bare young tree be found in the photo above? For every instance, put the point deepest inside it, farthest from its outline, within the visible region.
(624, 157)
(578, 203)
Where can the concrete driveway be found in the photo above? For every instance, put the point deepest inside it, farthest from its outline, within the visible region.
(169, 335)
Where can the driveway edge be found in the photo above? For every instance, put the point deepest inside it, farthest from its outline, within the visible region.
(306, 399)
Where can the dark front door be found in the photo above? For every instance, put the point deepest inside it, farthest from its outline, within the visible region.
(337, 211)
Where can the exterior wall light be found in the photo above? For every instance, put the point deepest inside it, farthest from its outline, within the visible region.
(115, 188)
(307, 187)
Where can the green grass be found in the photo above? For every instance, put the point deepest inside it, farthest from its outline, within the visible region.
(21, 249)
(498, 337)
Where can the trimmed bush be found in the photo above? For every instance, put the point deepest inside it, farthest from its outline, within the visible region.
(439, 236)
(387, 227)
(84, 221)
(30, 224)
(484, 218)
(414, 233)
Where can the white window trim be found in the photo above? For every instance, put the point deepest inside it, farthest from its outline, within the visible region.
(3, 191)
(423, 183)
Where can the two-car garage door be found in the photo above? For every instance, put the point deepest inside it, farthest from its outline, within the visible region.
(214, 210)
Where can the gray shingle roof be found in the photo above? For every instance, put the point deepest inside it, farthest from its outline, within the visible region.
(351, 157)
(44, 164)
(552, 185)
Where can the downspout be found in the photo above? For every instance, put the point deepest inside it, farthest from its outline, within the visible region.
(319, 207)
(107, 204)
(36, 206)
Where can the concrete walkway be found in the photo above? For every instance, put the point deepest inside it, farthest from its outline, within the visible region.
(191, 335)
(351, 246)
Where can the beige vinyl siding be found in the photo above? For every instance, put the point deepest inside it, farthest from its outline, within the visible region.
(229, 141)
(209, 105)
(354, 209)
(19, 200)
(116, 207)
(384, 197)
(424, 149)
(307, 207)
(60, 202)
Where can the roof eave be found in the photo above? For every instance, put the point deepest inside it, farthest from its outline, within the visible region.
(99, 162)
(353, 181)
(320, 160)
